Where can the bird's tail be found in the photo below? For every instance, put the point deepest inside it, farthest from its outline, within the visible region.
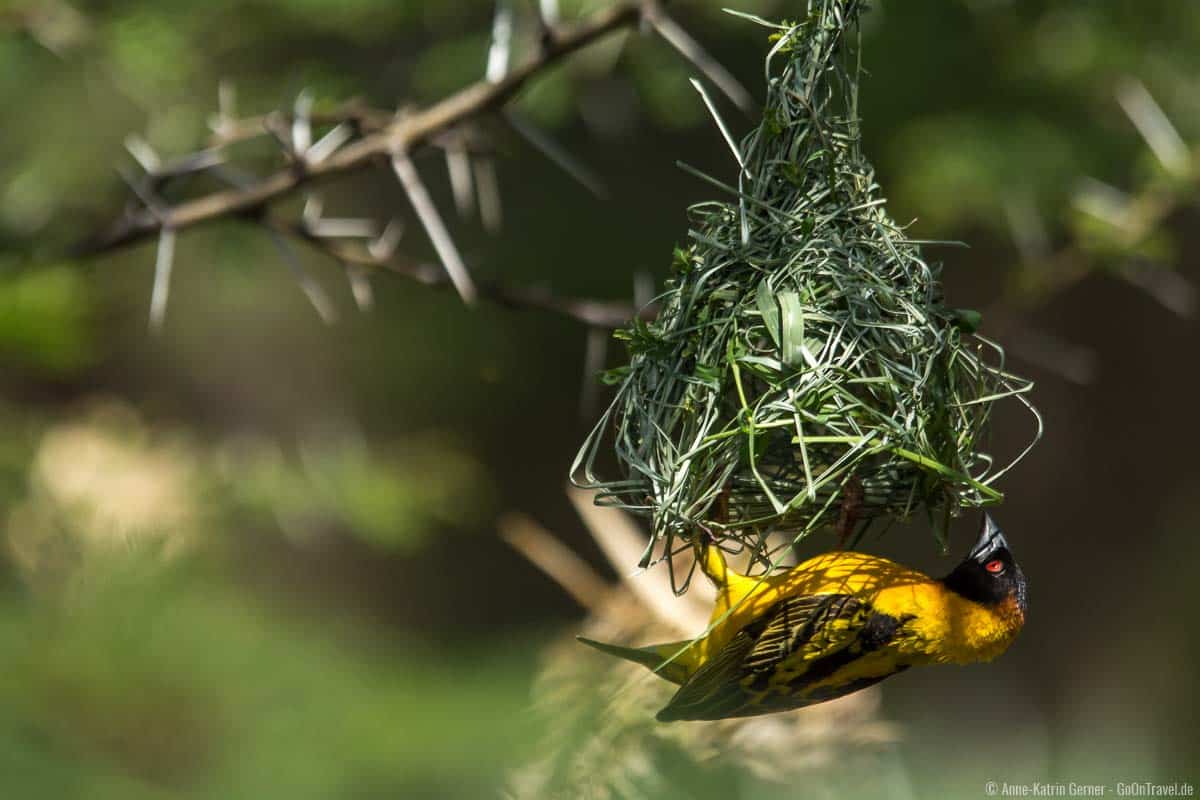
(672, 660)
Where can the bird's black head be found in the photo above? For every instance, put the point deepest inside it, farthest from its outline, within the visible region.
(989, 574)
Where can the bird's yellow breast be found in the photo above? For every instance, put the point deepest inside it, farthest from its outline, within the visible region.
(947, 628)
(940, 625)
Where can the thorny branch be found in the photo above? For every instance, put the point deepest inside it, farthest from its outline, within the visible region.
(363, 137)
(404, 134)
(359, 137)
(354, 256)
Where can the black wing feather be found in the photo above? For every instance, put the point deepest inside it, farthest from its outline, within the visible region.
(737, 680)
(796, 622)
(715, 687)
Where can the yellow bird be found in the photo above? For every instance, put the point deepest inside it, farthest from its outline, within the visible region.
(832, 625)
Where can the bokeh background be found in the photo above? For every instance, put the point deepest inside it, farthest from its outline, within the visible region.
(257, 556)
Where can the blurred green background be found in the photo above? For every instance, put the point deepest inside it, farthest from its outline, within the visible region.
(257, 556)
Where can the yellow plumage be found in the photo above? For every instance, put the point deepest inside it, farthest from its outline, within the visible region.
(834, 624)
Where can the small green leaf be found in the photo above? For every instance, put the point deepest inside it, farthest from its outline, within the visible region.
(765, 300)
(681, 260)
(792, 328)
(709, 376)
(615, 376)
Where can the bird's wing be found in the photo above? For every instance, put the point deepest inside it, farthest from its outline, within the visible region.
(804, 626)
(714, 691)
(798, 642)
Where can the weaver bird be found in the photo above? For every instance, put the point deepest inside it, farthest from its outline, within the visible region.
(832, 625)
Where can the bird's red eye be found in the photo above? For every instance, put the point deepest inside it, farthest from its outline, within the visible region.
(995, 566)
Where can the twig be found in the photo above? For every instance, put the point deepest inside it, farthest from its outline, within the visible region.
(227, 130)
(402, 134)
(622, 543)
(594, 313)
(544, 550)
(318, 145)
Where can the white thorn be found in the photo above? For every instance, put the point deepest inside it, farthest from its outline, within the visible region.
(195, 162)
(384, 247)
(343, 228)
(301, 123)
(491, 211)
(333, 227)
(226, 100)
(1104, 202)
(689, 48)
(360, 287)
(312, 290)
(501, 49)
(549, 11)
(458, 164)
(163, 264)
(319, 300)
(418, 195)
(160, 211)
(328, 144)
(1028, 228)
(1154, 126)
(222, 123)
(1166, 286)
(311, 215)
(556, 153)
(143, 153)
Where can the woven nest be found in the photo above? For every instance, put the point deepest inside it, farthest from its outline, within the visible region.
(804, 369)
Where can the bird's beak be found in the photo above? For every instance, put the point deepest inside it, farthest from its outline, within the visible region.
(991, 539)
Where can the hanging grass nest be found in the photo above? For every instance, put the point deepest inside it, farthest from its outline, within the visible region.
(803, 369)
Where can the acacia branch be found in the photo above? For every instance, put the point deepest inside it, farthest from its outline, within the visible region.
(404, 134)
(588, 311)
